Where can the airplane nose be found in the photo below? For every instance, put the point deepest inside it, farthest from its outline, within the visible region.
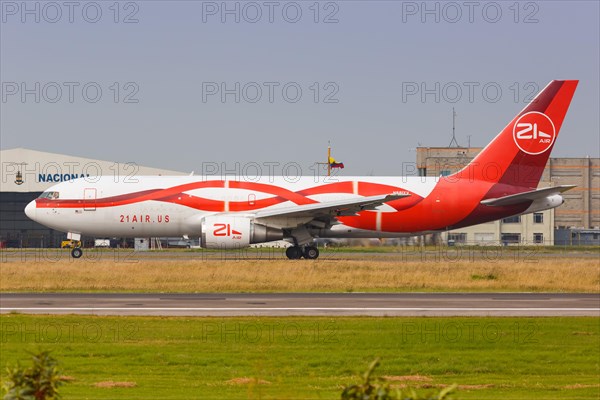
(30, 210)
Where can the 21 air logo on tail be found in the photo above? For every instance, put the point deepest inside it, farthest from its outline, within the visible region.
(534, 133)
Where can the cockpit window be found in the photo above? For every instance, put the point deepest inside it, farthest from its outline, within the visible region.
(49, 195)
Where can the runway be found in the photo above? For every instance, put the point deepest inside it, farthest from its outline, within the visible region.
(305, 304)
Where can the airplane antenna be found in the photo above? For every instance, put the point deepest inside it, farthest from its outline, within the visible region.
(453, 129)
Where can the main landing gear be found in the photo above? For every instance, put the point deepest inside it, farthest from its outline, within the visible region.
(297, 252)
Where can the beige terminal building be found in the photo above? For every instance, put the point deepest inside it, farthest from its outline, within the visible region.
(577, 220)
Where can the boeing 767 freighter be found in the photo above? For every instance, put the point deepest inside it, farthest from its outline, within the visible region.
(234, 213)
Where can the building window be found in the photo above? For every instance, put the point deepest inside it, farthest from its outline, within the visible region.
(538, 218)
(422, 171)
(457, 238)
(512, 220)
(485, 237)
(445, 172)
(538, 238)
(511, 238)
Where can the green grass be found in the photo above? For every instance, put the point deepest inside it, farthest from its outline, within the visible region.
(310, 358)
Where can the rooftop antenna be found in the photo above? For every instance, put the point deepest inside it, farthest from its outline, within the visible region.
(469, 141)
(453, 130)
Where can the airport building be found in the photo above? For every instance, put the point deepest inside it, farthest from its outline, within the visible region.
(577, 221)
(27, 173)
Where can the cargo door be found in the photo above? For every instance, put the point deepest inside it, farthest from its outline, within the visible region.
(89, 199)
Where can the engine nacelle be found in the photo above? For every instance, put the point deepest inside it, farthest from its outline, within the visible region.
(231, 232)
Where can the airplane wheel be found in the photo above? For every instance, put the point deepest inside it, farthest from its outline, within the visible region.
(293, 253)
(311, 253)
(76, 252)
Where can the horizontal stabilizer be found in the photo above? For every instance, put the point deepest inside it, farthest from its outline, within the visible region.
(526, 196)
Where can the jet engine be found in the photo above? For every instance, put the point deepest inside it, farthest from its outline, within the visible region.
(232, 232)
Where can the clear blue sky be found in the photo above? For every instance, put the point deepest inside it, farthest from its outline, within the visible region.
(179, 53)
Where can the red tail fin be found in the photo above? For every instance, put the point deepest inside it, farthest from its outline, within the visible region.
(518, 155)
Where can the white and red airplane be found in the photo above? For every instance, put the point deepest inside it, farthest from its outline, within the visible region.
(233, 213)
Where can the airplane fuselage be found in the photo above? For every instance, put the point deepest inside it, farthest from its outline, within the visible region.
(174, 206)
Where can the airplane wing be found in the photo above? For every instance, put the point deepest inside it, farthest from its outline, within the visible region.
(526, 196)
(332, 209)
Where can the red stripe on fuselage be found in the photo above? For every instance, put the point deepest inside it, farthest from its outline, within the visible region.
(177, 195)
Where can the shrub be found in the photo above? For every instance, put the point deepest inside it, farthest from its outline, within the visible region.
(377, 388)
(38, 382)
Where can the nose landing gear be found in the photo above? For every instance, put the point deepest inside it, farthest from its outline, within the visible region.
(76, 252)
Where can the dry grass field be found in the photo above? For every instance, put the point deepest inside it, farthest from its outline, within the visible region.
(369, 273)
